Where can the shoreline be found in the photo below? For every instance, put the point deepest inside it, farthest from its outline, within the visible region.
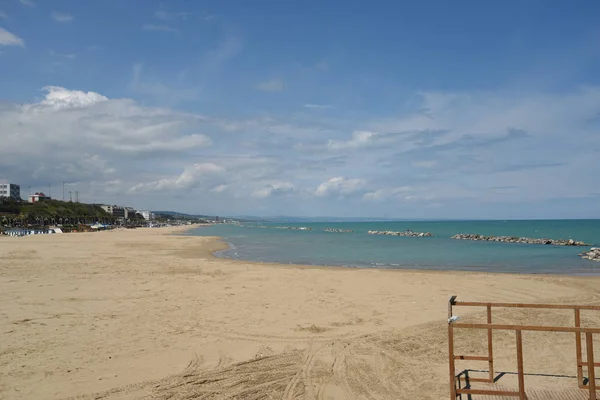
(220, 244)
(152, 313)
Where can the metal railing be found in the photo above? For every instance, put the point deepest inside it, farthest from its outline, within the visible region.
(490, 327)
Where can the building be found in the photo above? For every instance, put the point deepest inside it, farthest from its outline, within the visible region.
(10, 190)
(129, 212)
(148, 215)
(115, 211)
(37, 197)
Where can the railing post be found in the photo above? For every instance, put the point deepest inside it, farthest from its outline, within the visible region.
(451, 364)
(490, 347)
(589, 344)
(578, 348)
(520, 366)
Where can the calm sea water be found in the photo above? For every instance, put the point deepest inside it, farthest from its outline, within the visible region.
(359, 249)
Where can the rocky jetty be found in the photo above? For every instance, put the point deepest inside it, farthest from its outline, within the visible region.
(402, 233)
(335, 230)
(293, 228)
(514, 239)
(593, 254)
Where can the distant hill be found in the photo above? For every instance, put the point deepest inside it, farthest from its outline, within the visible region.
(175, 214)
(284, 218)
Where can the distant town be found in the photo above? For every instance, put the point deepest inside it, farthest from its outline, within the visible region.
(40, 214)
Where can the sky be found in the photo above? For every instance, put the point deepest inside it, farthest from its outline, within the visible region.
(383, 109)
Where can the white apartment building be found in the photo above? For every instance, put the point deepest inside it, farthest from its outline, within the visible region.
(129, 212)
(115, 211)
(10, 190)
(148, 215)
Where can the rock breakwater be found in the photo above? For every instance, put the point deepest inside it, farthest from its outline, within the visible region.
(336, 230)
(593, 254)
(514, 239)
(292, 228)
(401, 233)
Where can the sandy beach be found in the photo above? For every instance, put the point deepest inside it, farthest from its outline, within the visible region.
(144, 313)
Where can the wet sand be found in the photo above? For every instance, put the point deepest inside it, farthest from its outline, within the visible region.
(143, 313)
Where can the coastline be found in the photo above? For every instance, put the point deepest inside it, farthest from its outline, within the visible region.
(219, 244)
(440, 252)
(134, 313)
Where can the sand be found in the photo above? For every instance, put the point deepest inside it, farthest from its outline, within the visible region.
(144, 313)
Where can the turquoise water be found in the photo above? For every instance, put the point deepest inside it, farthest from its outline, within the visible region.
(359, 249)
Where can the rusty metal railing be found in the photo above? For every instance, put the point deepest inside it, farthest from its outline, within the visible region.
(490, 327)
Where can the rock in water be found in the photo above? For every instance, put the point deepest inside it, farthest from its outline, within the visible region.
(593, 254)
(514, 239)
(402, 233)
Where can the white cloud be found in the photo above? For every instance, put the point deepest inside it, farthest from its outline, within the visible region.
(339, 186)
(359, 139)
(317, 106)
(178, 144)
(10, 39)
(403, 193)
(491, 115)
(272, 85)
(59, 98)
(159, 157)
(377, 195)
(61, 16)
(274, 189)
(368, 139)
(170, 16)
(219, 188)
(162, 28)
(189, 178)
(28, 3)
(75, 135)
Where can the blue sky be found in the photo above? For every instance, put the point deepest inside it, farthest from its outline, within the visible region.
(429, 109)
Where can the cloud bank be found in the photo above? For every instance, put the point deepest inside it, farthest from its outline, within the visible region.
(455, 154)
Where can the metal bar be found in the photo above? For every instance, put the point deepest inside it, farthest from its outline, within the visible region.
(485, 380)
(578, 349)
(589, 344)
(472, 358)
(527, 328)
(525, 305)
(451, 351)
(490, 326)
(488, 392)
(490, 347)
(585, 363)
(520, 366)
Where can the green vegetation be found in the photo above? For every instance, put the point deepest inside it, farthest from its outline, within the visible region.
(56, 209)
(170, 217)
(50, 212)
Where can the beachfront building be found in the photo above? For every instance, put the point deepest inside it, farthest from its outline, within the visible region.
(129, 212)
(37, 197)
(115, 211)
(148, 215)
(10, 190)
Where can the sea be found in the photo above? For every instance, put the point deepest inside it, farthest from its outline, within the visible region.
(273, 242)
